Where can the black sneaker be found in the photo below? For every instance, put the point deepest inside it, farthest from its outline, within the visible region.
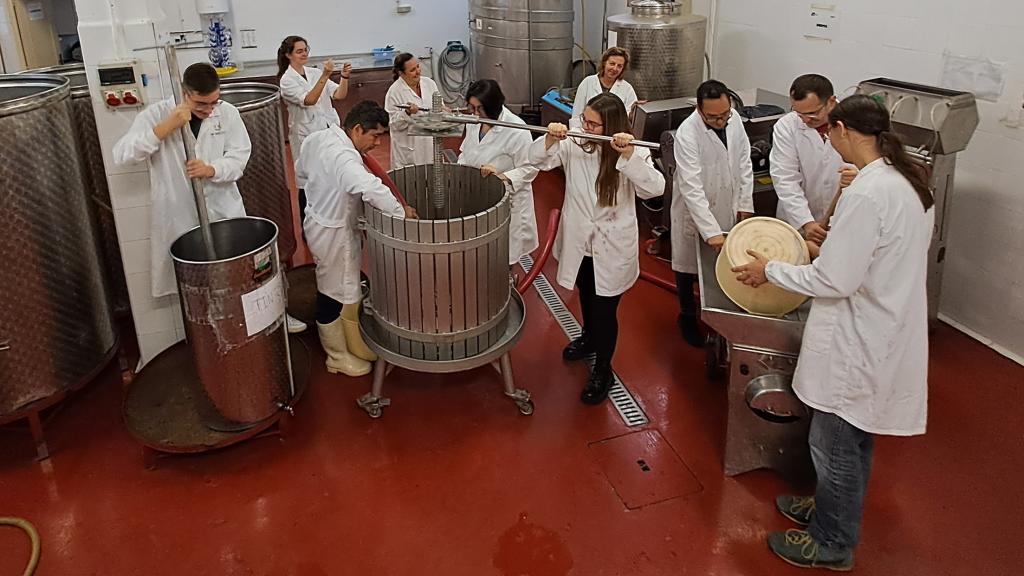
(798, 548)
(578, 349)
(597, 387)
(799, 509)
(688, 328)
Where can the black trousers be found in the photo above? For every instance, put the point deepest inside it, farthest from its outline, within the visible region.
(684, 288)
(327, 309)
(302, 211)
(600, 320)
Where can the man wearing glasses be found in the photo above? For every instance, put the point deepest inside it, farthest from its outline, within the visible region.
(806, 170)
(222, 151)
(713, 189)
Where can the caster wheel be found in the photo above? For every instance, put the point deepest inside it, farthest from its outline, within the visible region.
(525, 408)
(375, 413)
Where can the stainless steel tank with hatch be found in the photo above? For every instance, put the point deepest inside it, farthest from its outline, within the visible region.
(526, 45)
(94, 178)
(56, 330)
(264, 185)
(665, 41)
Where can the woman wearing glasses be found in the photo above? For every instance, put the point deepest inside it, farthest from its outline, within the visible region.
(307, 91)
(503, 151)
(597, 247)
(713, 189)
(222, 151)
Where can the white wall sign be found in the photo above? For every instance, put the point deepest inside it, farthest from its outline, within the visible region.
(982, 77)
(35, 11)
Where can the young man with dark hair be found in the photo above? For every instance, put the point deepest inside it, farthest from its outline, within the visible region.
(337, 183)
(806, 170)
(222, 151)
(713, 189)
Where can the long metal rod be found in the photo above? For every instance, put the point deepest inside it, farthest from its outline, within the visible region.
(198, 190)
(543, 130)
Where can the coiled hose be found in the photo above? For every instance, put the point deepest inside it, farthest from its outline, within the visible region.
(33, 537)
(454, 76)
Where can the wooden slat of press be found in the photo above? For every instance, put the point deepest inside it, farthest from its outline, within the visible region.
(428, 289)
(455, 233)
(401, 281)
(378, 281)
(443, 282)
(470, 283)
(412, 233)
(391, 309)
(483, 280)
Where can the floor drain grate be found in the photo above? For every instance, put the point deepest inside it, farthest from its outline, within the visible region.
(620, 396)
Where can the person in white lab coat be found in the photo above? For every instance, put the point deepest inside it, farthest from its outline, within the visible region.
(337, 184)
(863, 365)
(410, 94)
(597, 246)
(712, 190)
(614, 63)
(504, 151)
(222, 150)
(806, 170)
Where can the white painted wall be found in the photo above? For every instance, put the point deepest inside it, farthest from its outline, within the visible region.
(110, 30)
(761, 44)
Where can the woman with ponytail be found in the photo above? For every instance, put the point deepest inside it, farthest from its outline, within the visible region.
(863, 366)
(598, 247)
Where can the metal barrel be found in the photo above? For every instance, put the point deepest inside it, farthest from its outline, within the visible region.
(440, 286)
(56, 330)
(94, 178)
(234, 319)
(264, 185)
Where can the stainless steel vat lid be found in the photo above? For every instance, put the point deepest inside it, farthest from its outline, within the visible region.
(74, 72)
(249, 95)
(25, 92)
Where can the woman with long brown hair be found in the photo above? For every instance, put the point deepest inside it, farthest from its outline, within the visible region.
(307, 91)
(597, 247)
(863, 366)
(411, 93)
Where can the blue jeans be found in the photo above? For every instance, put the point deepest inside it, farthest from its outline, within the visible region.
(841, 453)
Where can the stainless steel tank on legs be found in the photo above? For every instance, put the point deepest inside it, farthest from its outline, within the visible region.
(56, 330)
(665, 41)
(264, 185)
(526, 45)
(94, 178)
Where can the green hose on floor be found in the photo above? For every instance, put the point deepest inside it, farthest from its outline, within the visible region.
(32, 535)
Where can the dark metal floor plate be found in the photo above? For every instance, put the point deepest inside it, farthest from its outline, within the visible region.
(644, 469)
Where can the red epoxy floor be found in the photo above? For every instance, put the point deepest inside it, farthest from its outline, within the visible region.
(453, 481)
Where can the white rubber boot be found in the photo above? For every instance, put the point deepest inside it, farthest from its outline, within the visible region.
(332, 338)
(354, 339)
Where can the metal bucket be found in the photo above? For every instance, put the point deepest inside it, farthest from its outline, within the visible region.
(94, 178)
(234, 319)
(56, 330)
(264, 185)
(440, 286)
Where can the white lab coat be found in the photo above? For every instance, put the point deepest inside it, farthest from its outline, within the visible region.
(590, 87)
(711, 185)
(303, 120)
(222, 143)
(609, 234)
(407, 150)
(508, 150)
(805, 171)
(337, 183)
(864, 356)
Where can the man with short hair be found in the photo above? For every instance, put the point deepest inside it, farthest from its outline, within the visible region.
(222, 151)
(337, 183)
(713, 189)
(806, 170)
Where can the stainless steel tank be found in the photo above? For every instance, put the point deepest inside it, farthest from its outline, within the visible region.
(56, 330)
(666, 42)
(234, 319)
(439, 286)
(94, 177)
(264, 184)
(526, 45)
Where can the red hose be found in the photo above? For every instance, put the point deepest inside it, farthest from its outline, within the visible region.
(379, 172)
(658, 281)
(545, 253)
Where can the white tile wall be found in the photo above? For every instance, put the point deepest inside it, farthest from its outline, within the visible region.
(905, 39)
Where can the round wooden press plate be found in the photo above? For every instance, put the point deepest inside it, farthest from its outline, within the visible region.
(776, 240)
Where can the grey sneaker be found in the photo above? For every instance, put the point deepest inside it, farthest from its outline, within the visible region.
(799, 509)
(799, 549)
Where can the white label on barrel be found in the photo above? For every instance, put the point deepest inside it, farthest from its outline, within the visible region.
(264, 305)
